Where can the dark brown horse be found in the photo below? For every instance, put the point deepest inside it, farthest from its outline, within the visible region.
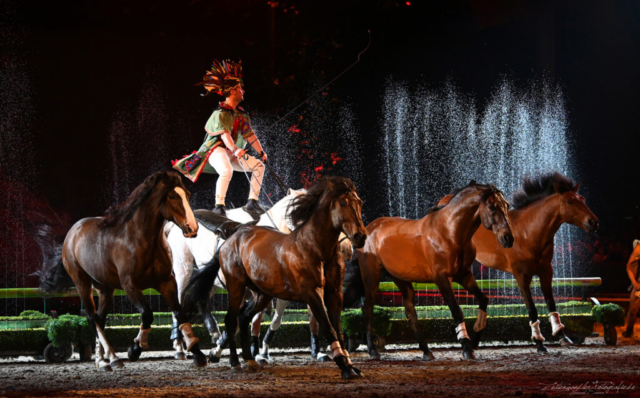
(127, 250)
(539, 209)
(303, 266)
(434, 248)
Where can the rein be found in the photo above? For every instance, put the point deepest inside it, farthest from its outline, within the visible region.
(279, 181)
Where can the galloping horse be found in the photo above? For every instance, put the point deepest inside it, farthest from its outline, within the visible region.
(434, 248)
(194, 254)
(127, 250)
(302, 266)
(539, 209)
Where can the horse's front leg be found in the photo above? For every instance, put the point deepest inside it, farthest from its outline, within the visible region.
(468, 281)
(316, 303)
(169, 291)
(546, 279)
(524, 283)
(444, 285)
(408, 299)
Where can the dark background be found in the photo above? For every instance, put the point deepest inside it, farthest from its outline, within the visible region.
(83, 81)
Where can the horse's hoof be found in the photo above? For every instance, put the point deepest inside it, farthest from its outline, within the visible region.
(469, 355)
(105, 368)
(428, 356)
(134, 352)
(236, 368)
(117, 363)
(542, 349)
(199, 359)
(262, 360)
(357, 371)
(627, 334)
(180, 355)
(213, 358)
(252, 366)
(349, 374)
(375, 355)
(323, 358)
(565, 341)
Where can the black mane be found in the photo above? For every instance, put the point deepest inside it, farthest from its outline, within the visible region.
(303, 206)
(120, 214)
(536, 188)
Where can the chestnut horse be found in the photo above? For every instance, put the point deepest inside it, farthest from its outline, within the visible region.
(303, 266)
(539, 209)
(434, 248)
(127, 250)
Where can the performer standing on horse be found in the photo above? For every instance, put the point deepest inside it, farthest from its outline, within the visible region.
(228, 131)
(633, 266)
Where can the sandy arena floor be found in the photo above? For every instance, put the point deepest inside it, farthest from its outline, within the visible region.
(515, 370)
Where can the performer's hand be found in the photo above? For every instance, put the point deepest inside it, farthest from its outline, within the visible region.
(239, 153)
(264, 156)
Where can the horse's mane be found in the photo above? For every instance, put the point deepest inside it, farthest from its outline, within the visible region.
(491, 189)
(324, 190)
(536, 188)
(120, 214)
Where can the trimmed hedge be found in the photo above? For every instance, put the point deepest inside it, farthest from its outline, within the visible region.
(23, 342)
(74, 329)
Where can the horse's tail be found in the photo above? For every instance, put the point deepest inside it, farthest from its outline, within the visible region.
(353, 286)
(53, 276)
(202, 281)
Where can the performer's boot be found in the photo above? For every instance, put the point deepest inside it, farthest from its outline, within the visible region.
(252, 205)
(220, 210)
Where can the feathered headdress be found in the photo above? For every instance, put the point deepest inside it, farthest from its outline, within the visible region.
(222, 77)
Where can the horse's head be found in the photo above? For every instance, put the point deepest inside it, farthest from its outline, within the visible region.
(494, 213)
(346, 214)
(175, 204)
(575, 211)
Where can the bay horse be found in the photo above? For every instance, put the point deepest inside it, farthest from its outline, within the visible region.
(126, 249)
(434, 248)
(190, 255)
(539, 209)
(302, 266)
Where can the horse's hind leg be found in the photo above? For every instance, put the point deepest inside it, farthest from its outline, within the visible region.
(263, 356)
(105, 297)
(444, 285)
(468, 281)
(408, 299)
(248, 312)
(169, 291)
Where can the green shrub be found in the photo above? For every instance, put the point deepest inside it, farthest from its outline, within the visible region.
(31, 314)
(608, 314)
(69, 329)
(353, 322)
(23, 341)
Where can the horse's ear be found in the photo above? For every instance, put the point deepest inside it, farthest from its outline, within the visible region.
(473, 182)
(575, 189)
(556, 187)
(289, 191)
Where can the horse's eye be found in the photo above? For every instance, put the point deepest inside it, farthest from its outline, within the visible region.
(342, 204)
(570, 201)
(492, 208)
(172, 196)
